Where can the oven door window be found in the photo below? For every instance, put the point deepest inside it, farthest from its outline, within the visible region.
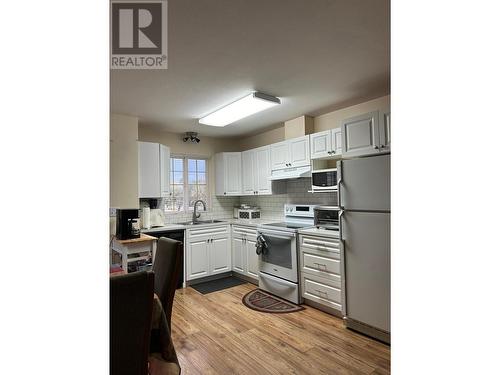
(278, 252)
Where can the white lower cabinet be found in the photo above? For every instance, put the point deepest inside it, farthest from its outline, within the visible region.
(198, 255)
(208, 251)
(252, 259)
(321, 269)
(238, 255)
(220, 255)
(322, 290)
(245, 259)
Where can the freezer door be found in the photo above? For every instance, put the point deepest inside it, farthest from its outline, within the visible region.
(366, 237)
(365, 183)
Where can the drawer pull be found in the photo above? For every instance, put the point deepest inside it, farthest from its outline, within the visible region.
(319, 265)
(321, 292)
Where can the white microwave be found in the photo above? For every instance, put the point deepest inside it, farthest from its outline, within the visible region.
(324, 179)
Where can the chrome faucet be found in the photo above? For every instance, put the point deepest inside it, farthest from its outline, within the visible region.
(196, 215)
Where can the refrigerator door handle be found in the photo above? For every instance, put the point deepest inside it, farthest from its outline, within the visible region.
(342, 279)
(341, 213)
(339, 183)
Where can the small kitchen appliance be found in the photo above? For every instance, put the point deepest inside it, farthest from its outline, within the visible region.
(157, 218)
(324, 180)
(246, 212)
(326, 217)
(251, 213)
(127, 223)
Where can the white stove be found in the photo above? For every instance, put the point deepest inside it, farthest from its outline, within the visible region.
(278, 258)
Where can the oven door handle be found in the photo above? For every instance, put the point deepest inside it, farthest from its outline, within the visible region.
(275, 233)
(276, 280)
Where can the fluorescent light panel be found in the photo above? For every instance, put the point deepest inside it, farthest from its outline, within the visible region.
(246, 106)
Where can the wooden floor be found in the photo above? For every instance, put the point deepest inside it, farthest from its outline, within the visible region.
(216, 334)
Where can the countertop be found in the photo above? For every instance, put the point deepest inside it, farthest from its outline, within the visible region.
(320, 232)
(172, 227)
(142, 238)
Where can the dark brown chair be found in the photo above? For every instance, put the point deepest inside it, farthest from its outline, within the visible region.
(131, 303)
(167, 267)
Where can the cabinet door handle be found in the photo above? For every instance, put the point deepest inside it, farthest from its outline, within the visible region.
(224, 193)
(375, 147)
(320, 265)
(333, 151)
(382, 146)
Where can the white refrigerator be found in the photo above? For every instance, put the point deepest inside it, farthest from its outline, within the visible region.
(365, 222)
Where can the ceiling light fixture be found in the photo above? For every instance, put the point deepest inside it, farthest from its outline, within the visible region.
(192, 137)
(246, 106)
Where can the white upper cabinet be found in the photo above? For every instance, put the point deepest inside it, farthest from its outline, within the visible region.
(280, 155)
(262, 170)
(256, 170)
(228, 173)
(248, 171)
(326, 144)
(154, 170)
(361, 135)
(164, 171)
(336, 141)
(290, 153)
(385, 130)
(299, 152)
(321, 144)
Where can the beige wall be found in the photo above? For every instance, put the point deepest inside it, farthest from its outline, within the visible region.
(123, 161)
(299, 127)
(208, 146)
(263, 139)
(333, 119)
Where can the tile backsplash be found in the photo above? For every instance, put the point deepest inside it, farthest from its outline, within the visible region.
(292, 191)
(296, 193)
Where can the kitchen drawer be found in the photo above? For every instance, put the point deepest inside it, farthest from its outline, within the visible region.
(321, 290)
(320, 243)
(245, 230)
(208, 232)
(320, 264)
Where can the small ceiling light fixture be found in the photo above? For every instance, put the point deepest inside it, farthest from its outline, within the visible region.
(246, 106)
(191, 136)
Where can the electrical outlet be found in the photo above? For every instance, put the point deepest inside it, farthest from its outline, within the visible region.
(112, 211)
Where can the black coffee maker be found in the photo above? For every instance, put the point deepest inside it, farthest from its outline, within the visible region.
(127, 223)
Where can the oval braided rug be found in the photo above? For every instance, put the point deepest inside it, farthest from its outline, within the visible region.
(263, 301)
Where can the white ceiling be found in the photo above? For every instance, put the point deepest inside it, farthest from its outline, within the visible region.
(314, 55)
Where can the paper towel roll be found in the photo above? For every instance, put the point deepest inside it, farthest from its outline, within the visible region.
(146, 218)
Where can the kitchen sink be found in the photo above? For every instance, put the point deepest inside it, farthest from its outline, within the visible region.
(198, 222)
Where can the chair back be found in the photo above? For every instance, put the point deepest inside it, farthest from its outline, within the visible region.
(167, 267)
(131, 303)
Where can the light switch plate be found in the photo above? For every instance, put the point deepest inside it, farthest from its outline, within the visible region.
(112, 211)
